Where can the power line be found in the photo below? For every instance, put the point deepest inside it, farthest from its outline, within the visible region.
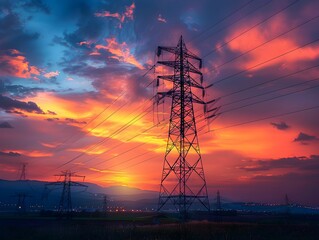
(138, 163)
(131, 149)
(269, 40)
(272, 91)
(132, 121)
(265, 118)
(271, 80)
(97, 116)
(266, 100)
(241, 18)
(259, 64)
(221, 20)
(135, 164)
(122, 153)
(130, 166)
(117, 131)
(103, 121)
(235, 125)
(247, 30)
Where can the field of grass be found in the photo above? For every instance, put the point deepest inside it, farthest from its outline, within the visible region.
(33, 228)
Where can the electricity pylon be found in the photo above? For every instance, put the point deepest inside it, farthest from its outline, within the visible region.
(21, 204)
(218, 202)
(65, 204)
(287, 204)
(183, 181)
(104, 204)
(23, 172)
(22, 196)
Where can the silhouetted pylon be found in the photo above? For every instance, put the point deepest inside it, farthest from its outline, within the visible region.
(104, 203)
(21, 196)
(23, 172)
(183, 181)
(287, 204)
(218, 201)
(65, 204)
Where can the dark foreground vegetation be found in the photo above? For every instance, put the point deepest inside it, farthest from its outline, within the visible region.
(143, 227)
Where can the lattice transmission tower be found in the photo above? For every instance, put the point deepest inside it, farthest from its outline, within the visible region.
(65, 204)
(183, 181)
(22, 195)
(23, 172)
(218, 202)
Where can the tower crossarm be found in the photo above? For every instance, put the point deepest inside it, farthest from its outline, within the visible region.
(167, 49)
(172, 78)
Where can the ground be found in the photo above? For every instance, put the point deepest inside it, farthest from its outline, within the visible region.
(143, 226)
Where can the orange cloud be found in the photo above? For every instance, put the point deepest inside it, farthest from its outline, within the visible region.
(34, 153)
(259, 143)
(65, 108)
(274, 48)
(15, 64)
(49, 145)
(102, 171)
(120, 51)
(128, 14)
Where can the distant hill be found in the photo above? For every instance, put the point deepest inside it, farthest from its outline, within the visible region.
(90, 197)
(9, 188)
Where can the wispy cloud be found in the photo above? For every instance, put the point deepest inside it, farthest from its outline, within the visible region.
(161, 19)
(51, 74)
(280, 125)
(127, 14)
(119, 51)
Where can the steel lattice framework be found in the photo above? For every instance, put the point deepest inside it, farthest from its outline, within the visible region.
(183, 181)
(65, 205)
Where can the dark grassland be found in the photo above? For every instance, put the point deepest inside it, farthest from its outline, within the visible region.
(141, 227)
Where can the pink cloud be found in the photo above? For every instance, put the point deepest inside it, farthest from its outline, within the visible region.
(274, 48)
(94, 53)
(128, 14)
(51, 74)
(15, 64)
(85, 43)
(119, 51)
(109, 14)
(129, 11)
(161, 19)
(15, 52)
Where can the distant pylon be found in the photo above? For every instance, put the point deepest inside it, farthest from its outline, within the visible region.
(287, 200)
(21, 196)
(218, 202)
(23, 172)
(65, 204)
(104, 203)
(287, 204)
(21, 206)
(183, 181)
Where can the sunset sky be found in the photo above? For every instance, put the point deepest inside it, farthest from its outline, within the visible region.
(76, 90)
